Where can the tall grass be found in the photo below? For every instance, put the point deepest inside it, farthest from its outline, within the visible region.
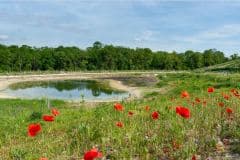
(78, 129)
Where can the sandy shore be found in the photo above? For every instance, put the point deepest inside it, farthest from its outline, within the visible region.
(134, 91)
(5, 81)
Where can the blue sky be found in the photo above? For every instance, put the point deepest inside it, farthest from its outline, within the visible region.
(159, 25)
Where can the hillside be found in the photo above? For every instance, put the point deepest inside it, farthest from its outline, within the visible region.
(230, 66)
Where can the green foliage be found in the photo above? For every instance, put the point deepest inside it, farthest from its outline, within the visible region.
(102, 57)
(35, 116)
(18, 154)
(78, 129)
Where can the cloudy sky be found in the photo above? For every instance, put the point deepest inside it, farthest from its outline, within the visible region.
(159, 25)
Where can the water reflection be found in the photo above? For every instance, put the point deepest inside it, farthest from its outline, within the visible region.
(67, 90)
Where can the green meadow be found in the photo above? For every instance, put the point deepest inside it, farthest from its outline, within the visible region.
(119, 80)
(209, 132)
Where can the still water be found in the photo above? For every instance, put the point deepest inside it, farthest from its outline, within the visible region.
(66, 90)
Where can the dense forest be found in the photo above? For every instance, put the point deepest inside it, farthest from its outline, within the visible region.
(103, 57)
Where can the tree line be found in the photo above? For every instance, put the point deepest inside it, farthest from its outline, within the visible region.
(103, 57)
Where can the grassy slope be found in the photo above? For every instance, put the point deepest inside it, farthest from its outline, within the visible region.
(231, 66)
(78, 129)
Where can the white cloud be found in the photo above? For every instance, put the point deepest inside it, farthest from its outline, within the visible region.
(220, 33)
(145, 36)
(3, 37)
(225, 38)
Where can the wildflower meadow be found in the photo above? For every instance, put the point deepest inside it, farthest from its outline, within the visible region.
(197, 119)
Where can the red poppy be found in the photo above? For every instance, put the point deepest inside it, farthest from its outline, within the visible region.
(119, 124)
(33, 129)
(130, 113)
(43, 158)
(210, 89)
(182, 111)
(92, 154)
(197, 100)
(204, 103)
(166, 149)
(155, 115)
(118, 107)
(55, 112)
(193, 103)
(220, 104)
(235, 92)
(48, 118)
(194, 157)
(225, 96)
(147, 108)
(185, 94)
(229, 111)
(175, 145)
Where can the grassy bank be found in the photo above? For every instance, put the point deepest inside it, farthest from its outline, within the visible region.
(79, 128)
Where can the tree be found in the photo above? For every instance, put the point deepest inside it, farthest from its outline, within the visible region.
(193, 59)
(103, 57)
(97, 45)
(234, 56)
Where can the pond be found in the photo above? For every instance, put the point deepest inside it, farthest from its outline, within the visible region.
(79, 90)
